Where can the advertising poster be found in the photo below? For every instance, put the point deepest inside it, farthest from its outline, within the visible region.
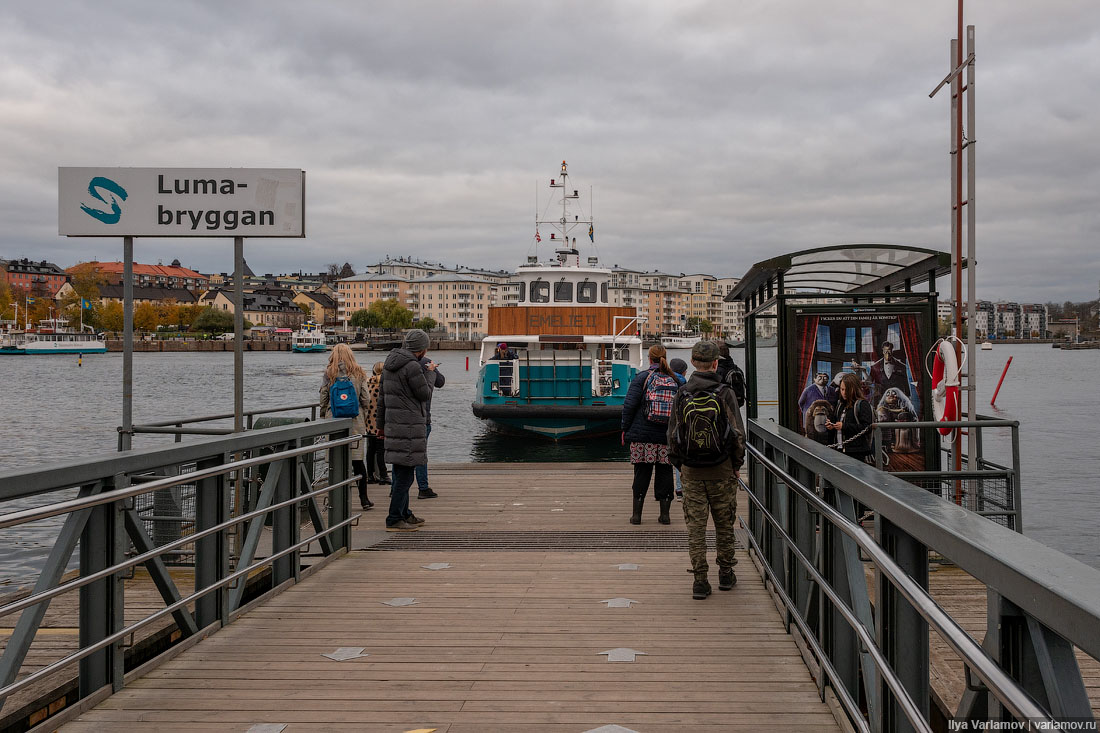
(881, 345)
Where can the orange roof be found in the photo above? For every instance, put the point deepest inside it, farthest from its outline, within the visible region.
(139, 269)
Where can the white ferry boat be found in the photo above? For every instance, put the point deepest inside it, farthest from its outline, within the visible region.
(683, 340)
(53, 336)
(566, 356)
(308, 338)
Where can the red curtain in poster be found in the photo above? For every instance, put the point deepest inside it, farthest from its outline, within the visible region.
(807, 342)
(910, 340)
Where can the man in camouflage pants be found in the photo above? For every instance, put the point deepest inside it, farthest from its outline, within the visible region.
(711, 484)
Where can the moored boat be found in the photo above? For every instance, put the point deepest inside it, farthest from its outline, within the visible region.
(308, 338)
(568, 356)
(52, 336)
(683, 340)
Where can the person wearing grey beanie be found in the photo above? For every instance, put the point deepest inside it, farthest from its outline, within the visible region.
(416, 340)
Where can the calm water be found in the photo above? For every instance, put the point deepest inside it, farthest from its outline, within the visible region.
(52, 411)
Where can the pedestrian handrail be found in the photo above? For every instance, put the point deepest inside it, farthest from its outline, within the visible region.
(805, 501)
(177, 427)
(105, 524)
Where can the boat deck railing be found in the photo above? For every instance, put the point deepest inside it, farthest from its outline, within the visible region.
(239, 483)
(860, 600)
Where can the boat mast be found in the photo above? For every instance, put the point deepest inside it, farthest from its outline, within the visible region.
(564, 225)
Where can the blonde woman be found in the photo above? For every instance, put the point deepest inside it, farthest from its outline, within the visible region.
(376, 444)
(341, 363)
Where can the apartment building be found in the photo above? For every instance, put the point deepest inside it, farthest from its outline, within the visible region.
(458, 303)
(173, 276)
(43, 279)
(359, 291)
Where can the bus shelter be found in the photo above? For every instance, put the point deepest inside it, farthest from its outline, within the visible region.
(865, 309)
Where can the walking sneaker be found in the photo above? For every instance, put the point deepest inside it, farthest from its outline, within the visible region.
(413, 519)
(726, 579)
(426, 494)
(679, 496)
(700, 589)
(402, 527)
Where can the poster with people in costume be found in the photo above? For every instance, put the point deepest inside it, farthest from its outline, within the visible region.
(883, 346)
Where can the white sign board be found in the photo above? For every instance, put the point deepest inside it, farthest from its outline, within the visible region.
(181, 202)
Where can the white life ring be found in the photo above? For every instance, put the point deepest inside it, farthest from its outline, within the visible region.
(946, 406)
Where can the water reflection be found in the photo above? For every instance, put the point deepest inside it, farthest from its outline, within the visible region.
(494, 446)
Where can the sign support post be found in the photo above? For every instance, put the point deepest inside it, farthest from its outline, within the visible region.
(127, 343)
(238, 334)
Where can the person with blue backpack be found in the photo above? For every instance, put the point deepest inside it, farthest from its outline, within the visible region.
(646, 411)
(344, 394)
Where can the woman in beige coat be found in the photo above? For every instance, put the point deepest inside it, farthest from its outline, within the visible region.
(342, 364)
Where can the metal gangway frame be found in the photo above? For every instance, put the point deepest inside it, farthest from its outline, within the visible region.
(102, 527)
(870, 643)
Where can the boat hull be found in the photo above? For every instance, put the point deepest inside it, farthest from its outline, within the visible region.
(556, 422)
(309, 349)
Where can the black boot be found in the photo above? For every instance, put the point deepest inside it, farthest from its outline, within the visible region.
(664, 518)
(726, 579)
(636, 517)
(700, 589)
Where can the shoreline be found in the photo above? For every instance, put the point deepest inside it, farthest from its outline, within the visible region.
(192, 346)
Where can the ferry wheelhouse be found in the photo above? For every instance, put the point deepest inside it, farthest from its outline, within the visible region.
(569, 355)
(308, 338)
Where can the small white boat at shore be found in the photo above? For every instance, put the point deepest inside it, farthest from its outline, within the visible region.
(307, 339)
(986, 346)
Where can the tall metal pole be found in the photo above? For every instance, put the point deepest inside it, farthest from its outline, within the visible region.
(127, 342)
(238, 334)
(971, 258)
(958, 48)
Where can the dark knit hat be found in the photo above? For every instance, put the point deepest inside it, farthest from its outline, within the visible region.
(678, 365)
(416, 340)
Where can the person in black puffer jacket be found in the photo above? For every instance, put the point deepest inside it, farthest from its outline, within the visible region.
(403, 414)
(648, 439)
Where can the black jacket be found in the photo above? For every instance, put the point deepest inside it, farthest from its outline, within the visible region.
(635, 425)
(440, 380)
(403, 409)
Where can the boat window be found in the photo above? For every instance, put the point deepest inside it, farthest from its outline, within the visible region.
(540, 291)
(586, 292)
(522, 292)
(603, 293)
(563, 292)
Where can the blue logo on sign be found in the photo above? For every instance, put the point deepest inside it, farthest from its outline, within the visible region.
(96, 187)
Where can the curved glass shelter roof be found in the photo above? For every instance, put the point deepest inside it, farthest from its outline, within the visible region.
(843, 269)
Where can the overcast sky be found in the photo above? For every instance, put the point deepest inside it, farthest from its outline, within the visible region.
(714, 134)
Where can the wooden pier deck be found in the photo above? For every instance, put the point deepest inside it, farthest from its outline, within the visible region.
(509, 637)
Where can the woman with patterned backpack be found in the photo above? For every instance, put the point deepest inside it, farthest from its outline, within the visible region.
(646, 411)
(343, 370)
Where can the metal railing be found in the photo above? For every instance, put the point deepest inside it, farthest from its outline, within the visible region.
(103, 523)
(179, 428)
(984, 487)
(1042, 605)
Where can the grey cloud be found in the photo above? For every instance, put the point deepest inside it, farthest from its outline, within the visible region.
(714, 134)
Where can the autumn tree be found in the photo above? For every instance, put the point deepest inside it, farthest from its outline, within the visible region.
(110, 317)
(145, 317)
(427, 323)
(7, 301)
